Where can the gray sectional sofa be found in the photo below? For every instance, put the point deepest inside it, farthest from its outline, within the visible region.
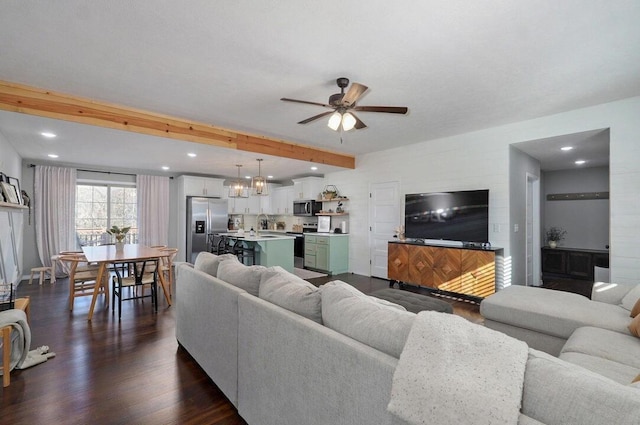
(286, 352)
(592, 333)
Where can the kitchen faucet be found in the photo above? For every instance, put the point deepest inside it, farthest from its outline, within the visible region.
(258, 222)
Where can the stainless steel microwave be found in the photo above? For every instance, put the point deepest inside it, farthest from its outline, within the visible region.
(306, 208)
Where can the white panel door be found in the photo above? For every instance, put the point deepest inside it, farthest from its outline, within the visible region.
(384, 218)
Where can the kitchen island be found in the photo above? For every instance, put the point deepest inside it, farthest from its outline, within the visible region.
(270, 249)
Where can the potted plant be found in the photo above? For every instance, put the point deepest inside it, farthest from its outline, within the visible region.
(119, 235)
(555, 235)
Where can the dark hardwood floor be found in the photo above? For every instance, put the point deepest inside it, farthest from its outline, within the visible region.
(127, 372)
(109, 372)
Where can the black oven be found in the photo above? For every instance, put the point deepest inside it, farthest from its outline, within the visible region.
(306, 208)
(298, 244)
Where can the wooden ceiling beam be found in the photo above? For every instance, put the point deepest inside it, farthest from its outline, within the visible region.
(44, 103)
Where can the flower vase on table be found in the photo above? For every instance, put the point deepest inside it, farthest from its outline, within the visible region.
(119, 235)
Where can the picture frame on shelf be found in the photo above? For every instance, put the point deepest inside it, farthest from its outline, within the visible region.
(9, 193)
(16, 184)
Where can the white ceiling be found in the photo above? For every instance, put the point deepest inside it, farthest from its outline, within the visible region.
(458, 65)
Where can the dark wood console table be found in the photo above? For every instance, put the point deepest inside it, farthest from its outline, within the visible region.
(572, 263)
(462, 270)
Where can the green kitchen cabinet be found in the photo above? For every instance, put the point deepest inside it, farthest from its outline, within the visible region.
(328, 253)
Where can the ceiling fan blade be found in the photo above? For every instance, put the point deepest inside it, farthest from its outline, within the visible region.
(359, 124)
(353, 94)
(315, 117)
(388, 109)
(307, 102)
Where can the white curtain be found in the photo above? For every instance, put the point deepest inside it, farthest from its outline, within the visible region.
(153, 210)
(54, 208)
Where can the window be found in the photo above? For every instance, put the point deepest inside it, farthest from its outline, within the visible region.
(98, 207)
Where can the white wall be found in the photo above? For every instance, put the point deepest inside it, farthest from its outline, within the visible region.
(11, 165)
(10, 161)
(462, 163)
(481, 160)
(586, 221)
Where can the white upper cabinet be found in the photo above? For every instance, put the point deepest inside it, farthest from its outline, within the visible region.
(282, 200)
(251, 205)
(260, 204)
(202, 186)
(308, 187)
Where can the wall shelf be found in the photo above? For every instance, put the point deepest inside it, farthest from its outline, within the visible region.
(10, 205)
(333, 200)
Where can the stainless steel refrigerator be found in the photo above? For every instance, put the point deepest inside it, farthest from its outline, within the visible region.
(205, 218)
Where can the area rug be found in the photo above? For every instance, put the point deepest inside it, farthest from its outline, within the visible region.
(307, 274)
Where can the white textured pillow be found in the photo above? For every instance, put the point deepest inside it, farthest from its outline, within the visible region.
(208, 262)
(244, 277)
(364, 318)
(631, 298)
(288, 291)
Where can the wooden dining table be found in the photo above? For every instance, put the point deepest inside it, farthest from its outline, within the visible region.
(106, 254)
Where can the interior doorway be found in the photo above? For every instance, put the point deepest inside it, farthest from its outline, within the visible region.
(532, 236)
(568, 165)
(384, 217)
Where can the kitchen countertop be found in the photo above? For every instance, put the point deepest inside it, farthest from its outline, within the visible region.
(327, 234)
(260, 238)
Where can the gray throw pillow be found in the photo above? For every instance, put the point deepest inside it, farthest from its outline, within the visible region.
(208, 262)
(364, 318)
(288, 291)
(244, 277)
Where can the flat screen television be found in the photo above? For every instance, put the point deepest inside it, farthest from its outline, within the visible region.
(455, 216)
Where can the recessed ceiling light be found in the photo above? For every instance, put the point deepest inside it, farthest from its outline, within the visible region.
(580, 162)
(52, 155)
(192, 155)
(165, 168)
(48, 134)
(247, 177)
(566, 148)
(314, 168)
(269, 177)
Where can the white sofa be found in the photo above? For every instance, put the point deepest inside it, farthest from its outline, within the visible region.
(592, 333)
(280, 362)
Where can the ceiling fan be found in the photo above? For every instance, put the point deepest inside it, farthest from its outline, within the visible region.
(343, 105)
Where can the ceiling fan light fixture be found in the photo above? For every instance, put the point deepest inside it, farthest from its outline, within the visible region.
(237, 189)
(348, 121)
(343, 103)
(259, 185)
(335, 120)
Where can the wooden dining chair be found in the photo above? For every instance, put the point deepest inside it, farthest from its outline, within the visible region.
(82, 278)
(166, 267)
(144, 273)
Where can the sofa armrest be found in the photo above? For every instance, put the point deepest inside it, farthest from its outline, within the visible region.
(610, 293)
(558, 392)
